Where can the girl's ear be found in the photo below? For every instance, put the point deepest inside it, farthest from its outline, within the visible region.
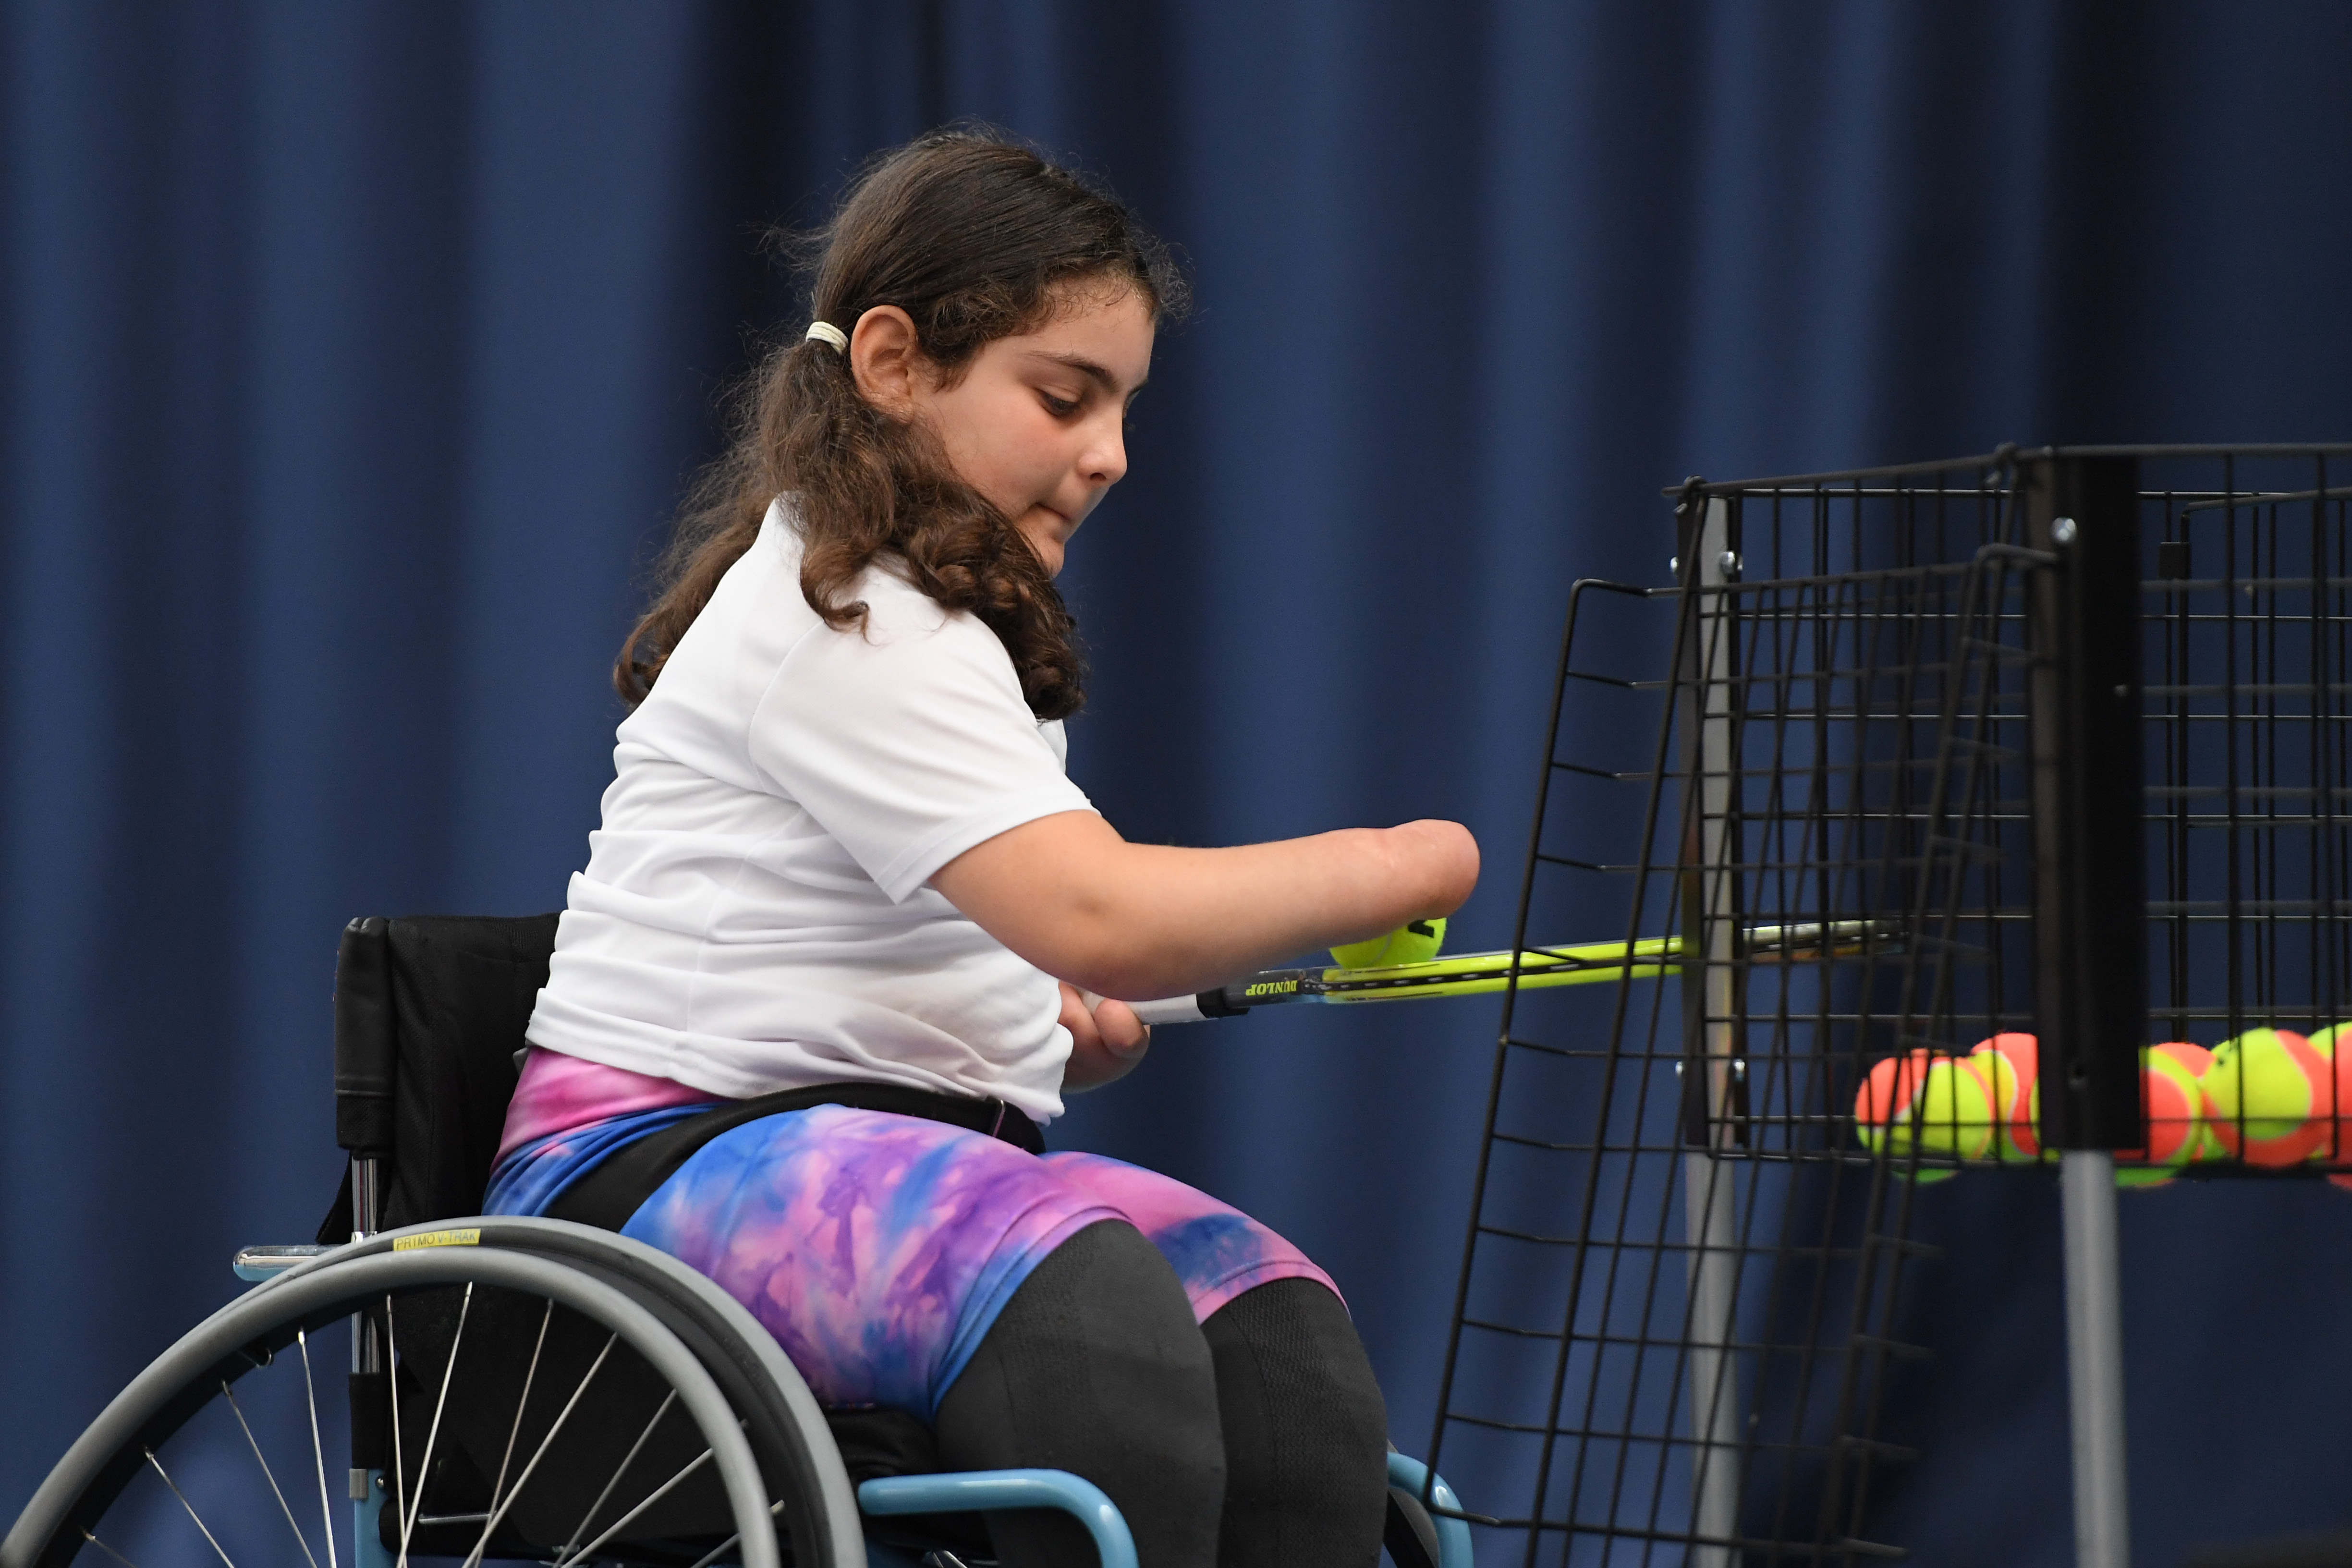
(885, 357)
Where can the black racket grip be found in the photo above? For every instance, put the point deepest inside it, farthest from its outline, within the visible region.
(1261, 989)
(363, 1041)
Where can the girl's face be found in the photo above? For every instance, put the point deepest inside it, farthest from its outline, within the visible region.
(1037, 423)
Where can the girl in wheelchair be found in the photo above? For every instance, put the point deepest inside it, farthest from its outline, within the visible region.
(844, 879)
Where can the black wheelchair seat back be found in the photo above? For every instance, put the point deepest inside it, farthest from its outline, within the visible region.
(429, 1017)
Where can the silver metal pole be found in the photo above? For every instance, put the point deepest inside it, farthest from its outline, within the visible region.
(1710, 1217)
(2094, 1360)
(1709, 1221)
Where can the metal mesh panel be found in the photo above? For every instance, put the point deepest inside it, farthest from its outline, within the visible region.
(1816, 764)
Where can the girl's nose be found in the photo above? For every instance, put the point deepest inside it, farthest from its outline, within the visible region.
(1104, 462)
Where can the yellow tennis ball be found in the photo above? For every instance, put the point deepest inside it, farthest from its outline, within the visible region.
(1416, 942)
(1955, 1115)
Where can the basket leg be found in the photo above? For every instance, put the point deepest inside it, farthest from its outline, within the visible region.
(1710, 1222)
(2094, 1360)
(1713, 1004)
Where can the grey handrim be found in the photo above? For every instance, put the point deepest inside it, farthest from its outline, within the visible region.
(345, 1282)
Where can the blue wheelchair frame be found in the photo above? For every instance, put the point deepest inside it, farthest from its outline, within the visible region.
(968, 1491)
(367, 1047)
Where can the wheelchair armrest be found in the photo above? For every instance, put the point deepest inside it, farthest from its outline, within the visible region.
(974, 1492)
(1410, 1474)
(254, 1264)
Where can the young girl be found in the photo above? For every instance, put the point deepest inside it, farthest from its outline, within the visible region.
(841, 856)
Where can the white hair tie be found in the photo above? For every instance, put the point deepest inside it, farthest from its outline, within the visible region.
(826, 332)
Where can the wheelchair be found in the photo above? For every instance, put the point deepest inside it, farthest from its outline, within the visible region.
(515, 1388)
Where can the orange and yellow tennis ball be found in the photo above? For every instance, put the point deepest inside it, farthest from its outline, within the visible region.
(2177, 1120)
(2335, 1145)
(1919, 1101)
(2008, 1064)
(2271, 1097)
(2198, 1061)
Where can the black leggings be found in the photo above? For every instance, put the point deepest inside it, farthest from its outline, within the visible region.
(1254, 1439)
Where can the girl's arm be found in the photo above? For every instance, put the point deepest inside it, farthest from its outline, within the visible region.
(1137, 921)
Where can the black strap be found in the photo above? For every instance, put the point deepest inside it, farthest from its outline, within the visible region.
(616, 1187)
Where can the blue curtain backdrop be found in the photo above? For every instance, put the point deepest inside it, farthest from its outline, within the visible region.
(354, 355)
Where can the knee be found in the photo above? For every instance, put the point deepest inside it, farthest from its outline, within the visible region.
(1288, 1351)
(1306, 1430)
(1097, 1368)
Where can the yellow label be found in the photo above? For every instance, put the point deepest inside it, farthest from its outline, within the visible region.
(439, 1238)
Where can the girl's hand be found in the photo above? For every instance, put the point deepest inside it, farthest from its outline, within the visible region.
(1108, 1041)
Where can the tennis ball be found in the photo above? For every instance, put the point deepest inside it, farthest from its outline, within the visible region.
(1416, 942)
(2335, 1144)
(1889, 1087)
(2198, 1061)
(2176, 1115)
(1935, 1104)
(2334, 1147)
(2272, 1097)
(2009, 1065)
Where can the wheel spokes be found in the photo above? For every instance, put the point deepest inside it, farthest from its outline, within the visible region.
(600, 1407)
(318, 1448)
(425, 1464)
(187, 1504)
(499, 1487)
(708, 1558)
(391, 1383)
(499, 1511)
(630, 1518)
(268, 1475)
(626, 1460)
(109, 1550)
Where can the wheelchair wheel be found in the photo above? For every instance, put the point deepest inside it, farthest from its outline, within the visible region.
(556, 1393)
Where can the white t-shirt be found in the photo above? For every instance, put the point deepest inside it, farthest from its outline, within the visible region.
(755, 915)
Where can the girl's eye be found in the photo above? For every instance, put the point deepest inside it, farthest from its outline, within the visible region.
(1059, 407)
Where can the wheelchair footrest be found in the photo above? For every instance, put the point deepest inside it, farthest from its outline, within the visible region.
(977, 1491)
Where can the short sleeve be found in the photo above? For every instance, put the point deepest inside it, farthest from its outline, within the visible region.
(908, 740)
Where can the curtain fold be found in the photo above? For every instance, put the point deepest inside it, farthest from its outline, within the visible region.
(352, 357)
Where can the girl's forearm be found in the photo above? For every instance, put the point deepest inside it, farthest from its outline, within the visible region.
(1149, 920)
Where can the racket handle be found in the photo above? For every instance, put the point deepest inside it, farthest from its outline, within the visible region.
(1215, 1004)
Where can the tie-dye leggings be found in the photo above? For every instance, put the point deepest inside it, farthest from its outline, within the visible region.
(879, 1249)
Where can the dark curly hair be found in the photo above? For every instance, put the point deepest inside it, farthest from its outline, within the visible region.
(976, 237)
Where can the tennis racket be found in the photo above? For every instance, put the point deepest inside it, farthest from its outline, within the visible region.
(1474, 974)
